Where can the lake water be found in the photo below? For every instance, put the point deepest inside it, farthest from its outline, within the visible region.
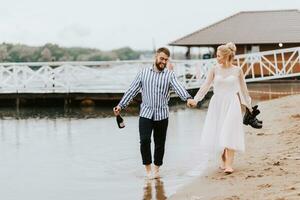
(48, 154)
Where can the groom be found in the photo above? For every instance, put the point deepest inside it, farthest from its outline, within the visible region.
(155, 83)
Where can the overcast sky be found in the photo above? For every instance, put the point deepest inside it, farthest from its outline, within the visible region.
(113, 24)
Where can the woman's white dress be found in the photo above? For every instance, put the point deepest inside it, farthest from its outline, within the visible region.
(223, 126)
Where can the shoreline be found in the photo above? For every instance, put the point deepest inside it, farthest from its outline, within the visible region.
(269, 169)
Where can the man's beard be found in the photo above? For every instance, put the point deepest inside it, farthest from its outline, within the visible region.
(158, 66)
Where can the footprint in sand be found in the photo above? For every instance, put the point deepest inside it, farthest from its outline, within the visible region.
(264, 186)
(276, 163)
(297, 116)
(232, 198)
(268, 169)
(249, 176)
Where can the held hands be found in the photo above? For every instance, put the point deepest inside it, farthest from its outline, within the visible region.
(191, 103)
(117, 110)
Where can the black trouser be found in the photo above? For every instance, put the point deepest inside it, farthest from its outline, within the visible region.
(159, 134)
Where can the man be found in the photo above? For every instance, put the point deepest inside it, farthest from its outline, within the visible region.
(155, 83)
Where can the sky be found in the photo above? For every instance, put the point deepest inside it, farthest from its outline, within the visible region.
(111, 24)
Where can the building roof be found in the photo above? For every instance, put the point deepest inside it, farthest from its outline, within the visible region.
(249, 27)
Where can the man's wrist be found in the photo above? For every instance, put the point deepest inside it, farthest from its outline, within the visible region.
(120, 106)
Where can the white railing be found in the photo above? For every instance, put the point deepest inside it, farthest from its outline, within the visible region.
(258, 66)
(116, 76)
(270, 64)
(67, 77)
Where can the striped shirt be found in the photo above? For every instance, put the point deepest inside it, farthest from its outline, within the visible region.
(155, 88)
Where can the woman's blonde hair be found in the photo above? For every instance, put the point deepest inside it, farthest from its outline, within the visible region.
(228, 50)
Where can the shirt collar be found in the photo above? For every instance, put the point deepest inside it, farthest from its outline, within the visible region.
(163, 71)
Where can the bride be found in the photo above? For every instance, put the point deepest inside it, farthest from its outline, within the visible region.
(223, 128)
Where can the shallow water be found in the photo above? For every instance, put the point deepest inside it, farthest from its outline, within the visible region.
(69, 158)
(81, 154)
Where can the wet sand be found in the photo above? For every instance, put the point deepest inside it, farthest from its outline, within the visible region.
(269, 169)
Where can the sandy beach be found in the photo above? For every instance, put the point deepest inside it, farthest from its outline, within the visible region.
(268, 170)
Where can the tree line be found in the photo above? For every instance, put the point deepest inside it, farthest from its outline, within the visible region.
(53, 52)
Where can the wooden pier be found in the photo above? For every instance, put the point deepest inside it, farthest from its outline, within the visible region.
(67, 83)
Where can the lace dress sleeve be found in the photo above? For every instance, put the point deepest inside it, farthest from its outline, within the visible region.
(243, 91)
(206, 85)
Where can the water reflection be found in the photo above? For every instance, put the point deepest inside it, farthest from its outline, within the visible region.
(268, 91)
(2, 131)
(258, 92)
(54, 112)
(147, 190)
(159, 191)
(16, 131)
(75, 112)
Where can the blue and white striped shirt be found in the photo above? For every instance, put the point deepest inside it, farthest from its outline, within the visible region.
(155, 88)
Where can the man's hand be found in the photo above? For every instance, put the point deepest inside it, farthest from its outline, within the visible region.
(170, 66)
(191, 103)
(117, 110)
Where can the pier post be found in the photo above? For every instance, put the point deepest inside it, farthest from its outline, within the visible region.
(66, 104)
(17, 104)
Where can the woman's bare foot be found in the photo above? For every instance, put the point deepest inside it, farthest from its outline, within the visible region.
(223, 157)
(228, 170)
(229, 155)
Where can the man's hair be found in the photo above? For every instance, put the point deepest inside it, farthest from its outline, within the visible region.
(164, 50)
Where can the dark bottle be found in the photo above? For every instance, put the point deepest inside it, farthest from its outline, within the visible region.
(120, 121)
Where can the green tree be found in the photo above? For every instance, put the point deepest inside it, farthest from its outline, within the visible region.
(127, 53)
(46, 55)
(3, 53)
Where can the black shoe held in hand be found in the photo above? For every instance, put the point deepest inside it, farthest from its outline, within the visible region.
(120, 121)
(250, 118)
(256, 112)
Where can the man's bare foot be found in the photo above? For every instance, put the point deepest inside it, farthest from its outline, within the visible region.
(148, 171)
(149, 176)
(156, 172)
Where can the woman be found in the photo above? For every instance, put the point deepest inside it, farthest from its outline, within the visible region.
(223, 128)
